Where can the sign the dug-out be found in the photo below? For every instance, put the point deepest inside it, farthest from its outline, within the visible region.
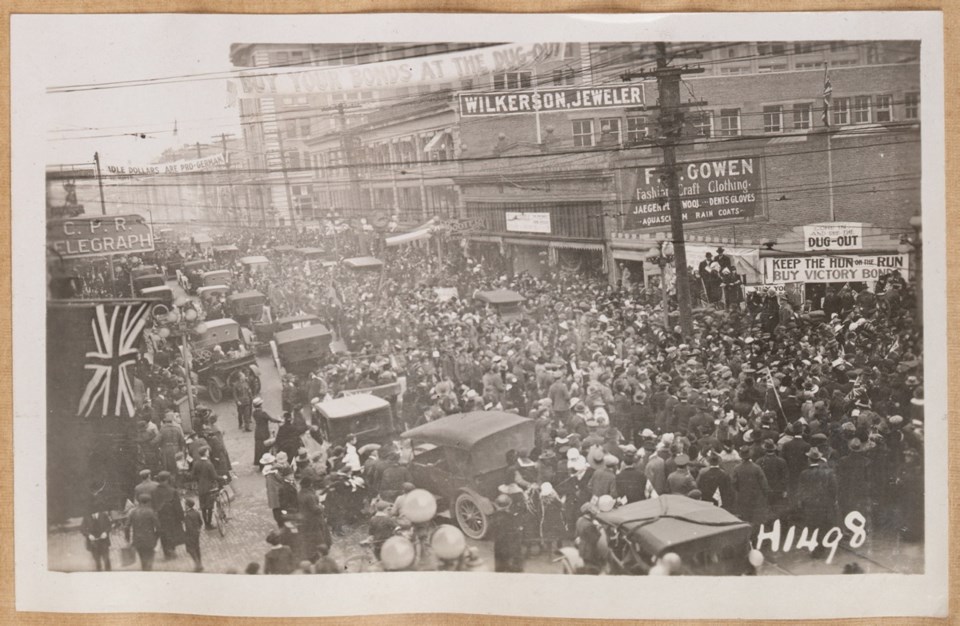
(712, 190)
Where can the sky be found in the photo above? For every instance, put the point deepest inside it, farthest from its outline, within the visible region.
(135, 49)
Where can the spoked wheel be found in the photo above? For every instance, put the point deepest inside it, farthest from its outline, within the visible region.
(222, 503)
(472, 520)
(215, 390)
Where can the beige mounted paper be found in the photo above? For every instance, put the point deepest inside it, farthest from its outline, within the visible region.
(607, 316)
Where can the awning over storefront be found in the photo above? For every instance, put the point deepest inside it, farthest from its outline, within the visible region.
(630, 255)
(527, 242)
(577, 245)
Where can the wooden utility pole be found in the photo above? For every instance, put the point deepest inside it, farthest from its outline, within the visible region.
(348, 145)
(103, 205)
(671, 127)
(226, 158)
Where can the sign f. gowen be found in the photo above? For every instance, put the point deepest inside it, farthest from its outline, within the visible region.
(99, 236)
(709, 190)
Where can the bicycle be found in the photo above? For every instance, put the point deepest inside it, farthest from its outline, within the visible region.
(221, 509)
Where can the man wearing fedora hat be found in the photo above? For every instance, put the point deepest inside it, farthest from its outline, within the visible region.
(775, 469)
(715, 484)
(750, 485)
(817, 494)
(854, 480)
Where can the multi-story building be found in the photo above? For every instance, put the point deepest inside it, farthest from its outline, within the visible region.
(378, 154)
(556, 161)
(757, 161)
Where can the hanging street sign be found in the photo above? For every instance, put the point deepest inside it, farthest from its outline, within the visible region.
(100, 236)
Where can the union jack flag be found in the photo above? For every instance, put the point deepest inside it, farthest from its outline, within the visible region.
(116, 331)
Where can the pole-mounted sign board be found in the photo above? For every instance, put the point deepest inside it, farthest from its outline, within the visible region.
(100, 236)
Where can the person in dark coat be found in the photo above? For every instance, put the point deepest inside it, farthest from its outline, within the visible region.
(192, 522)
(312, 525)
(261, 431)
(575, 490)
(775, 470)
(96, 527)
(680, 481)
(817, 494)
(144, 529)
(507, 536)
(171, 442)
(279, 558)
(288, 436)
(631, 481)
(208, 484)
(854, 481)
(166, 502)
(146, 485)
(218, 451)
(751, 488)
(794, 452)
(715, 485)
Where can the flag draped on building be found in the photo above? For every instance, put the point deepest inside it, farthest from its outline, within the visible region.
(92, 394)
(827, 97)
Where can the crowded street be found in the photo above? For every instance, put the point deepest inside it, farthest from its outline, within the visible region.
(430, 328)
(439, 348)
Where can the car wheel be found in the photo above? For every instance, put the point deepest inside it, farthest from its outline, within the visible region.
(215, 390)
(472, 520)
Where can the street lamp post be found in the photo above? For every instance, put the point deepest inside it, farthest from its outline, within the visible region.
(661, 255)
(185, 318)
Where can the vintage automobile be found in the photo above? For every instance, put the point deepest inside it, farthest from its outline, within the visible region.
(207, 294)
(246, 306)
(709, 540)
(148, 280)
(505, 302)
(266, 330)
(295, 321)
(219, 375)
(310, 254)
(462, 459)
(301, 350)
(226, 254)
(201, 241)
(252, 264)
(367, 416)
(193, 273)
(363, 263)
(162, 294)
(144, 270)
(216, 277)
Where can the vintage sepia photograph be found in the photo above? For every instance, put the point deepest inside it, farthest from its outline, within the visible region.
(597, 306)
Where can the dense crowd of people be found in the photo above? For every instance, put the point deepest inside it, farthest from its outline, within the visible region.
(765, 410)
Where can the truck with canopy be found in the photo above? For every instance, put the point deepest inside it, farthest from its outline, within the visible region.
(218, 374)
(367, 416)
(505, 302)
